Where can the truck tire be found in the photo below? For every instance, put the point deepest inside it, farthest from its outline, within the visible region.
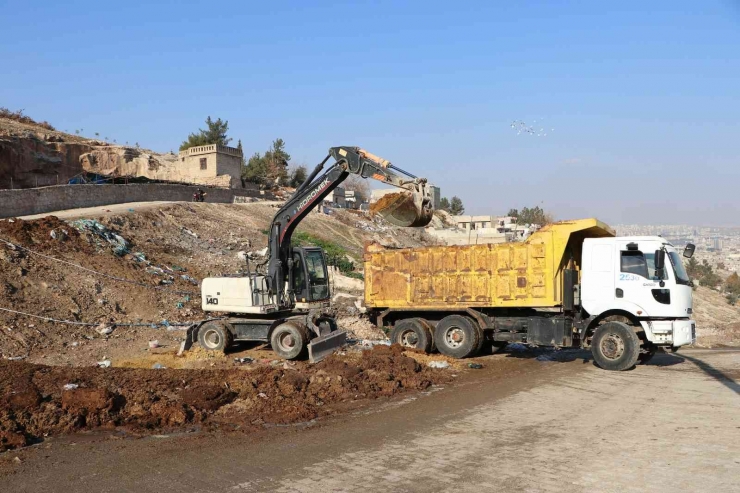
(413, 333)
(289, 340)
(215, 336)
(615, 346)
(457, 336)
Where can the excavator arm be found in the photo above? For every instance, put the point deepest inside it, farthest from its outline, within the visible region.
(411, 208)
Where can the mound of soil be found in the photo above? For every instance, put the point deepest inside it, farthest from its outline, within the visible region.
(43, 400)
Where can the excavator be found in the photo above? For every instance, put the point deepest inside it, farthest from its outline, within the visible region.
(284, 300)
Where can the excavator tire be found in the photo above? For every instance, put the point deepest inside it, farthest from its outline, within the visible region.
(215, 336)
(289, 340)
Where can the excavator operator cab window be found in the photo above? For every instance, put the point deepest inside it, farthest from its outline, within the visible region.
(318, 278)
(310, 278)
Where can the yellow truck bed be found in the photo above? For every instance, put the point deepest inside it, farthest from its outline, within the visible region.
(527, 274)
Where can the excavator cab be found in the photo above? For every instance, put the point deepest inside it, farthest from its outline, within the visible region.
(310, 277)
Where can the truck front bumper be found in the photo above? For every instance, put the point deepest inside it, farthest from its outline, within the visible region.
(674, 333)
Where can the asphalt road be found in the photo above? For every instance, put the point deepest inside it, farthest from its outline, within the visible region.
(518, 425)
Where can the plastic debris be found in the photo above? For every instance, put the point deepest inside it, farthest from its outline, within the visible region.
(139, 257)
(103, 329)
(104, 364)
(263, 395)
(372, 343)
(117, 242)
(475, 366)
(177, 268)
(189, 279)
(179, 305)
(153, 344)
(244, 360)
(165, 282)
(438, 364)
(186, 230)
(158, 366)
(131, 210)
(71, 386)
(15, 358)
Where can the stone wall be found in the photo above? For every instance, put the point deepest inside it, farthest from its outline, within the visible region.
(29, 201)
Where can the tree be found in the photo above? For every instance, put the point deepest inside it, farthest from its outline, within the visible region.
(732, 284)
(692, 268)
(444, 204)
(269, 170)
(355, 183)
(298, 176)
(535, 215)
(456, 206)
(732, 298)
(214, 134)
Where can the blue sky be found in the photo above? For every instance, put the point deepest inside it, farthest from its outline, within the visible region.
(643, 97)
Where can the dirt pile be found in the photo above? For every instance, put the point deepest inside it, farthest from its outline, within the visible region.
(42, 400)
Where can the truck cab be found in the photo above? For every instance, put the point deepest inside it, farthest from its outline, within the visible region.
(645, 277)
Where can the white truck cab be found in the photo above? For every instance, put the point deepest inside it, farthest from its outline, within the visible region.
(645, 277)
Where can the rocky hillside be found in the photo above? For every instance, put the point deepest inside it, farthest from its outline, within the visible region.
(33, 155)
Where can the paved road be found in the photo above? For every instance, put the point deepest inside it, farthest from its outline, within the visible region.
(673, 425)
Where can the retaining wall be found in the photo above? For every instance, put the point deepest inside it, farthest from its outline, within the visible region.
(14, 203)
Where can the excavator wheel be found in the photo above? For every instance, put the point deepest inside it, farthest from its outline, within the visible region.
(215, 336)
(289, 340)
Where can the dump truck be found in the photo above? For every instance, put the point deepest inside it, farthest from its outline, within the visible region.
(570, 284)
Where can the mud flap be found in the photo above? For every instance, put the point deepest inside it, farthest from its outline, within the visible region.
(323, 346)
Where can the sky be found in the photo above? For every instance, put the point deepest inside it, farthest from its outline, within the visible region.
(639, 100)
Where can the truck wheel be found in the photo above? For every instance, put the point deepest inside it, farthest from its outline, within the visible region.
(215, 336)
(289, 340)
(413, 333)
(457, 336)
(615, 346)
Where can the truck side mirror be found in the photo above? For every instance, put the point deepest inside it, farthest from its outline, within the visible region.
(688, 252)
(659, 263)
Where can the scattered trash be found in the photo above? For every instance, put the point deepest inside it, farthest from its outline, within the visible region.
(74, 344)
(153, 344)
(15, 358)
(104, 364)
(186, 230)
(155, 271)
(158, 366)
(139, 257)
(244, 360)
(438, 364)
(131, 210)
(177, 268)
(17, 460)
(165, 282)
(475, 366)
(117, 242)
(288, 366)
(71, 386)
(179, 305)
(58, 235)
(103, 329)
(189, 279)
(263, 395)
(372, 343)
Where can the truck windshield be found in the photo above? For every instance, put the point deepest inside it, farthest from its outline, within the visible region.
(678, 269)
(317, 275)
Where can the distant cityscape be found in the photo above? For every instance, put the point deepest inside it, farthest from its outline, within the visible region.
(719, 246)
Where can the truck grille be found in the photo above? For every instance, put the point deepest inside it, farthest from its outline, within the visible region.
(693, 333)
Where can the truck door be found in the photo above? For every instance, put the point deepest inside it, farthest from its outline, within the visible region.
(638, 283)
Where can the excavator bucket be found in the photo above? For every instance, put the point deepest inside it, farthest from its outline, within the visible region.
(405, 209)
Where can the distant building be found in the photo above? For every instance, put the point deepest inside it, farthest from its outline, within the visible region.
(212, 164)
(336, 198)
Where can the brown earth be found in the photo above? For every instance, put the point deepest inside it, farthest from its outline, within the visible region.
(147, 401)
(183, 239)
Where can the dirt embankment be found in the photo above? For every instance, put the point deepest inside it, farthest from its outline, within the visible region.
(42, 400)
